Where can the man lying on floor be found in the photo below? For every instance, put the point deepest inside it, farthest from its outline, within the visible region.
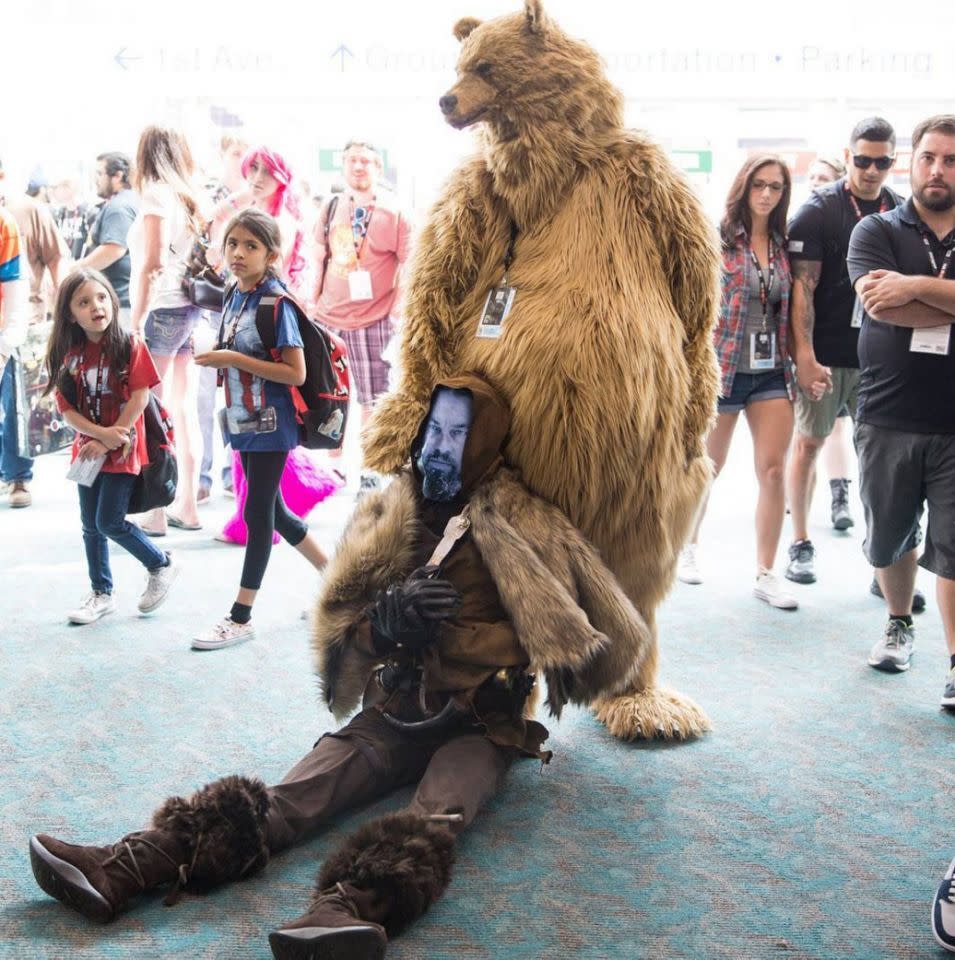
(438, 636)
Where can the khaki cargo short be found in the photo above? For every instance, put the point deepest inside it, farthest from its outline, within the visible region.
(816, 418)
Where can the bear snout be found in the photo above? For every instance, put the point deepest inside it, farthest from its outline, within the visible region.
(448, 103)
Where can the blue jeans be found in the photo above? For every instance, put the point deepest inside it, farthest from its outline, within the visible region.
(207, 419)
(103, 509)
(13, 467)
(168, 330)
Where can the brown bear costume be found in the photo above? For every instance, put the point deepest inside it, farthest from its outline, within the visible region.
(606, 358)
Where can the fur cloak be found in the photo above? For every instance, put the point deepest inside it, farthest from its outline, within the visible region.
(570, 615)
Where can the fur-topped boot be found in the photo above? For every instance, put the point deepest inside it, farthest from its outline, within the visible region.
(216, 835)
(380, 880)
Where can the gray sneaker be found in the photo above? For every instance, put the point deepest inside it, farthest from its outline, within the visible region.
(157, 586)
(948, 696)
(841, 518)
(802, 555)
(894, 651)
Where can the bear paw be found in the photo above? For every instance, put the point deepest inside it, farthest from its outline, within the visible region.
(653, 713)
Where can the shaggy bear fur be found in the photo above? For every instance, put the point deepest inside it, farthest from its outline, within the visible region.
(223, 826)
(606, 359)
(405, 859)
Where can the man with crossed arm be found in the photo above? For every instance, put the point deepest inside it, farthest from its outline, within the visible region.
(901, 266)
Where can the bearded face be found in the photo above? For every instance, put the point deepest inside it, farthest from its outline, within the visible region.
(445, 435)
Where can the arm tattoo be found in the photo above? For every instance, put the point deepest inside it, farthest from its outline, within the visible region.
(806, 275)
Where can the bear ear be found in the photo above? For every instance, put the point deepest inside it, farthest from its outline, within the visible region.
(464, 26)
(536, 18)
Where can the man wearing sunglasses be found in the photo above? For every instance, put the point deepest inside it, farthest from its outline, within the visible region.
(824, 320)
(903, 266)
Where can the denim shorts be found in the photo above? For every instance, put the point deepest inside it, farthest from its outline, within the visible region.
(752, 387)
(168, 330)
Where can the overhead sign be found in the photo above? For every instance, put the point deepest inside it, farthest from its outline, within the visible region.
(693, 161)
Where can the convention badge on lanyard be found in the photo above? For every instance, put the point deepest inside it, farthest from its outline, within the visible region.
(500, 298)
(762, 343)
(359, 281)
(934, 340)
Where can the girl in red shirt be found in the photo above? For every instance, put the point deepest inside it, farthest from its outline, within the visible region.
(102, 378)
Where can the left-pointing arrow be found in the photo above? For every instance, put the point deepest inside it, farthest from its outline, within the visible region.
(122, 58)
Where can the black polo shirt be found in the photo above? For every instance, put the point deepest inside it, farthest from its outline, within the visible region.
(900, 389)
(820, 231)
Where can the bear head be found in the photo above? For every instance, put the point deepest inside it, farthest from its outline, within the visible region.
(520, 73)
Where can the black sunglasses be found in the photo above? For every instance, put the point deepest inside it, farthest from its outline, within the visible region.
(863, 163)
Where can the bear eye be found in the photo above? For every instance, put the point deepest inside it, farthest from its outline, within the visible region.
(483, 69)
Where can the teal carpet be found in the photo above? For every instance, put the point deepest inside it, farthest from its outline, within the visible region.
(814, 821)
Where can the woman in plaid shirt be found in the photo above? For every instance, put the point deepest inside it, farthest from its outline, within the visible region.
(751, 341)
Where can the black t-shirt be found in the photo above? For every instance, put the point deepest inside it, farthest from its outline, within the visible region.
(820, 231)
(898, 388)
(112, 225)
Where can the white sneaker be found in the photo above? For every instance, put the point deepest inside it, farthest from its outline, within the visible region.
(224, 634)
(687, 569)
(94, 606)
(157, 586)
(768, 588)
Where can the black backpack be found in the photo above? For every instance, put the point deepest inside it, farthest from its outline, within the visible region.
(155, 485)
(321, 402)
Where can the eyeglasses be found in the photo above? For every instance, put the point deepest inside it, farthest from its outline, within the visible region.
(760, 185)
(863, 163)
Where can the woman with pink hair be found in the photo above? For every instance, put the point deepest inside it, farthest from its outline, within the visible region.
(270, 188)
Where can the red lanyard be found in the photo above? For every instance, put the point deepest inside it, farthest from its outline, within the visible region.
(94, 401)
(764, 286)
(365, 224)
(939, 271)
(883, 198)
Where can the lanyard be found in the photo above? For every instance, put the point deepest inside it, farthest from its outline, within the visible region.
(509, 253)
(230, 340)
(94, 401)
(365, 223)
(764, 286)
(883, 201)
(939, 272)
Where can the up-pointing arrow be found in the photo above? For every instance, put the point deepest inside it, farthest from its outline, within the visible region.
(342, 51)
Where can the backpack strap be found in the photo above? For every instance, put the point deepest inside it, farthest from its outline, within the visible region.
(326, 228)
(266, 320)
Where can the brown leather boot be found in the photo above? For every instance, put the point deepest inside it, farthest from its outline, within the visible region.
(332, 929)
(100, 881)
(214, 836)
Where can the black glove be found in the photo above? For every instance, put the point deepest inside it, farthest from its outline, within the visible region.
(408, 613)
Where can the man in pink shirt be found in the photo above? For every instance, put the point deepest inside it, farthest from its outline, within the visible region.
(363, 240)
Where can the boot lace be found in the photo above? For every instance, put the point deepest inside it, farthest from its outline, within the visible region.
(125, 858)
(337, 896)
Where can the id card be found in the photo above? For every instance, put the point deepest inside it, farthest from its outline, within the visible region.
(498, 305)
(263, 421)
(85, 472)
(762, 350)
(933, 340)
(359, 285)
(858, 312)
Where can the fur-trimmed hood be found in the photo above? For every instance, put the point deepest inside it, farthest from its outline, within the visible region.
(569, 613)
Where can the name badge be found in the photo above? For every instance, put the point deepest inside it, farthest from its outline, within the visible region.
(932, 340)
(359, 285)
(498, 305)
(858, 312)
(762, 350)
(262, 421)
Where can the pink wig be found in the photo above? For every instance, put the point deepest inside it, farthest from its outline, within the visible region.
(284, 196)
